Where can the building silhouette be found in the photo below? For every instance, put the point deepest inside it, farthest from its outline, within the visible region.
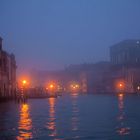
(126, 53)
(125, 64)
(7, 74)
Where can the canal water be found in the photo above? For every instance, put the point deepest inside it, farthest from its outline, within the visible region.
(72, 117)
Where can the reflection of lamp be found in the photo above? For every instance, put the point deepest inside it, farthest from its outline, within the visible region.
(120, 101)
(122, 129)
(25, 123)
(75, 113)
(51, 124)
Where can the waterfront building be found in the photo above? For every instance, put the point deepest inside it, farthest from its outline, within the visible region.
(126, 53)
(7, 73)
(125, 62)
(92, 76)
(83, 81)
(61, 78)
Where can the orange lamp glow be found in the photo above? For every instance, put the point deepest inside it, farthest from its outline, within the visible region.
(24, 82)
(120, 85)
(77, 86)
(51, 86)
(74, 87)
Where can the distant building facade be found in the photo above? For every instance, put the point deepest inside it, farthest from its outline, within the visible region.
(126, 53)
(120, 74)
(125, 61)
(92, 77)
(7, 73)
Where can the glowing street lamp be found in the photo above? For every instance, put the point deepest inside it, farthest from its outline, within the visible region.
(138, 88)
(51, 86)
(74, 87)
(120, 86)
(24, 82)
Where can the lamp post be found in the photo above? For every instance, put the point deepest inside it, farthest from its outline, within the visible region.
(23, 90)
(121, 86)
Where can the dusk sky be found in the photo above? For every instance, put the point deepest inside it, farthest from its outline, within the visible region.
(50, 34)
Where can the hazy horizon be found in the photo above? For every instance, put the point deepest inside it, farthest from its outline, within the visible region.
(51, 34)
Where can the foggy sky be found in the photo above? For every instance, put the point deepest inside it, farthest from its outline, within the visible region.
(50, 34)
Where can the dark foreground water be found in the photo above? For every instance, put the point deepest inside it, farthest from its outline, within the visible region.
(72, 117)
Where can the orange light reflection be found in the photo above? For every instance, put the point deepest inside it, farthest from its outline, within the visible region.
(51, 124)
(25, 123)
(122, 129)
(75, 112)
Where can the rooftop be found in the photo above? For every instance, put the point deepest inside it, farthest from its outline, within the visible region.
(127, 43)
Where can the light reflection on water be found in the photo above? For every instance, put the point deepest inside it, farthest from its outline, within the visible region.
(51, 124)
(25, 123)
(81, 117)
(75, 112)
(122, 129)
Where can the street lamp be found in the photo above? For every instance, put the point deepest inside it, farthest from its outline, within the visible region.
(120, 86)
(24, 82)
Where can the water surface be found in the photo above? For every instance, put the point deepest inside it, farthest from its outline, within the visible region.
(72, 117)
